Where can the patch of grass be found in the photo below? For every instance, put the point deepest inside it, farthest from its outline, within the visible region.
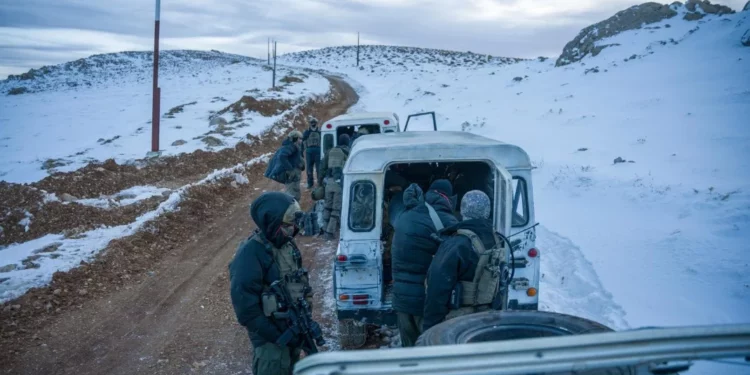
(177, 109)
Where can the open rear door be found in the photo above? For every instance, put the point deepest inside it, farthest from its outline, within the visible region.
(414, 115)
(503, 201)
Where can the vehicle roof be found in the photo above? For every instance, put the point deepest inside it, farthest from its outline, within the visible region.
(361, 116)
(373, 152)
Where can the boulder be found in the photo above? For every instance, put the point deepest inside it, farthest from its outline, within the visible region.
(212, 141)
(179, 142)
(217, 121)
(632, 18)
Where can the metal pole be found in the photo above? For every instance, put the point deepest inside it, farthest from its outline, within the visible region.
(357, 48)
(156, 91)
(274, 64)
(269, 51)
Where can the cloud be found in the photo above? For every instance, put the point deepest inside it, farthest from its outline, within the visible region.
(43, 32)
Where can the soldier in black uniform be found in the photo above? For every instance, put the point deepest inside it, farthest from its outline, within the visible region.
(311, 141)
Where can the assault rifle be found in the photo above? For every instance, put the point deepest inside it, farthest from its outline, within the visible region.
(298, 316)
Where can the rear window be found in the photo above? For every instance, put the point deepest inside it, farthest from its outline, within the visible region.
(520, 203)
(362, 206)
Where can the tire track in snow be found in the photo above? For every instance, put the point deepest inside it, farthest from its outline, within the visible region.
(570, 285)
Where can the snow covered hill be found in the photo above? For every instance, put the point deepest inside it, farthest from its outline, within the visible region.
(659, 239)
(60, 118)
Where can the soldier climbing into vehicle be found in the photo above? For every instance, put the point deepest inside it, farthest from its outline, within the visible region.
(264, 261)
(311, 141)
(333, 170)
(465, 275)
(287, 165)
(417, 219)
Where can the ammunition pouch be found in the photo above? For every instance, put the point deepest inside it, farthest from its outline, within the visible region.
(270, 303)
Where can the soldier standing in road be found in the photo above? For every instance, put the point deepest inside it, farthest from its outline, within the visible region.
(287, 165)
(270, 254)
(311, 145)
(456, 285)
(333, 170)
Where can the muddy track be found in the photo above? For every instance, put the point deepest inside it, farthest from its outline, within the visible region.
(176, 317)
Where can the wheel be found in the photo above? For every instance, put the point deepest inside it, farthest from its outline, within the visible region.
(513, 325)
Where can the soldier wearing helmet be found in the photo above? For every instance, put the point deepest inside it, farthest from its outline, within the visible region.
(287, 164)
(311, 141)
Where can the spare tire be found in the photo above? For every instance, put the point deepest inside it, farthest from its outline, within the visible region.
(513, 325)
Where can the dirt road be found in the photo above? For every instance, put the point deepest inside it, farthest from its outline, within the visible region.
(176, 318)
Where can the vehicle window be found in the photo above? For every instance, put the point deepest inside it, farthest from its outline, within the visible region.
(520, 203)
(327, 143)
(362, 206)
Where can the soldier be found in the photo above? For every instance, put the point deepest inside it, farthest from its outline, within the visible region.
(311, 144)
(287, 165)
(270, 254)
(456, 285)
(333, 170)
(416, 220)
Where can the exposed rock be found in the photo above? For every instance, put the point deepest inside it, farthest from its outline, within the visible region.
(707, 7)
(53, 163)
(746, 38)
(179, 142)
(18, 90)
(212, 141)
(628, 19)
(8, 268)
(83, 292)
(57, 292)
(619, 160)
(747, 6)
(518, 79)
(693, 16)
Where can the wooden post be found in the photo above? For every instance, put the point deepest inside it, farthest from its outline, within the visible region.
(357, 48)
(156, 91)
(274, 64)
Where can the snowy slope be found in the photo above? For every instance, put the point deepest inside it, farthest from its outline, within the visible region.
(660, 241)
(100, 107)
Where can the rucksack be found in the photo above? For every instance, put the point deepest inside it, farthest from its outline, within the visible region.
(484, 287)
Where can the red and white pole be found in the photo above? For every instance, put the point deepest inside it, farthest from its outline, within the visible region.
(157, 92)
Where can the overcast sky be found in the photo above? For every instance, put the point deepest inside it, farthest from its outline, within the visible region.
(43, 32)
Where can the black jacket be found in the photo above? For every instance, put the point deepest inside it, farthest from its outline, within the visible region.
(287, 157)
(455, 261)
(413, 245)
(305, 136)
(253, 267)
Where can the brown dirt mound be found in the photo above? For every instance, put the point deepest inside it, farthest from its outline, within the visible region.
(56, 217)
(291, 79)
(266, 107)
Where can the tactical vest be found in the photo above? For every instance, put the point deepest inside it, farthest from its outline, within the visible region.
(336, 161)
(313, 139)
(479, 293)
(288, 259)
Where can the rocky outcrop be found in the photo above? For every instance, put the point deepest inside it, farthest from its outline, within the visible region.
(746, 39)
(632, 18)
(707, 7)
(747, 6)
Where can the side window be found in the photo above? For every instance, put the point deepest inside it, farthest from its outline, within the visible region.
(520, 203)
(327, 143)
(362, 206)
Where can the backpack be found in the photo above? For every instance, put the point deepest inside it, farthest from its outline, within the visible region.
(484, 287)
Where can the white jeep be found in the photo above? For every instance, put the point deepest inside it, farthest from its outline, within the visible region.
(350, 123)
(362, 286)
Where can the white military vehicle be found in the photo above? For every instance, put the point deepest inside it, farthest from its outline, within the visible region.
(362, 280)
(350, 123)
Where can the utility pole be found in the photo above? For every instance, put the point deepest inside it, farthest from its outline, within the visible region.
(274, 65)
(156, 90)
(357, 48)
(269, 51)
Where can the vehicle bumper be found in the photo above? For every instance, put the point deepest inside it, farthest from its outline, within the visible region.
(379, 317)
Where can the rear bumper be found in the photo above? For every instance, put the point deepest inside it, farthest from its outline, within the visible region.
(378, 317)
(514, 305)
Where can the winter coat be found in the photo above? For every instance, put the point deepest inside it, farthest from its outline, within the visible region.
(287, 158)
(455, 261)
(414, 245)
(254, 268)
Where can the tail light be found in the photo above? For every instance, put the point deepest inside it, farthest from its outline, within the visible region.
(329, 126)
(531, 292)
(533, 253)
(342, 258)
(361, 299)
(344, 297)
(386, 122)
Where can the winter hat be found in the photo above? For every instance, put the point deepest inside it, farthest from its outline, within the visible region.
(294, 135)
(442, 186)
(344, 140)
(475, 205)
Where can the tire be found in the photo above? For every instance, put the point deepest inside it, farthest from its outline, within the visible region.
(511, 325)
